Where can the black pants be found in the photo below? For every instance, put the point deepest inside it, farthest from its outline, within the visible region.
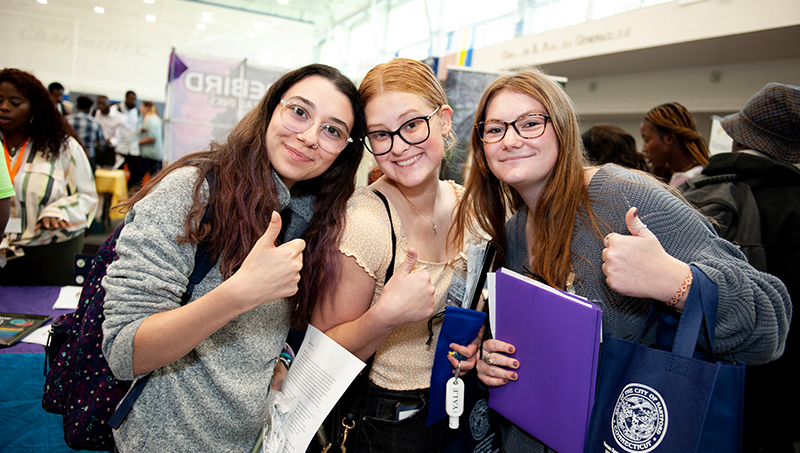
(378, 430)
(44, 265)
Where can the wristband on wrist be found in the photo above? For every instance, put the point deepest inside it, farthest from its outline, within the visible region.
(687, 283)
(285, 359)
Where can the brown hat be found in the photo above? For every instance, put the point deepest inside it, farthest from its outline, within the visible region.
(769, 122)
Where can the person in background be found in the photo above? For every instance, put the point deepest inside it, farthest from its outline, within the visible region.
(615, 236)
(608, 144)
(89, 130)
(56, 91)
(151, 139)
(128, 147)
(6, 192)
(55, 193)
(408, 131)
(766, 148)
(671, 139)
(113, 125)
(212, 359)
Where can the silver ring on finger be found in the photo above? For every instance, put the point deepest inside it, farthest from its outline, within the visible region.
(488, 359)
(605, 240)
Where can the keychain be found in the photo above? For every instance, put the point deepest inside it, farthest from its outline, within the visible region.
(454, 397)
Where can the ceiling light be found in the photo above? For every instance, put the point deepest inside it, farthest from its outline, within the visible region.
(206, 16)
(282, 2)
(201, 26)
(258, 25)
(150, 18)
(149, 1)
(43, 2)
(99, 9)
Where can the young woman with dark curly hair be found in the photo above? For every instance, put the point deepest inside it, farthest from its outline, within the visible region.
(55, 193)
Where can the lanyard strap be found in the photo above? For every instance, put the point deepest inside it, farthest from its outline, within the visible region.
(13, 171)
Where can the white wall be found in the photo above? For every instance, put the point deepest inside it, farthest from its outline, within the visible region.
(110, 53)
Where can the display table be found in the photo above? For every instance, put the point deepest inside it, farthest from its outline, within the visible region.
(112, 182)
(26, 427)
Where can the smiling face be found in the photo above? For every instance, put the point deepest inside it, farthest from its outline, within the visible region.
(522, 163)
(409, 165)
(15, 109)
(296, 156)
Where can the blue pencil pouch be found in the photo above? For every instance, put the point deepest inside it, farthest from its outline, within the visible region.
(461, 326)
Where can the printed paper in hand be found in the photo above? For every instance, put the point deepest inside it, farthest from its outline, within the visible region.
(319, 376)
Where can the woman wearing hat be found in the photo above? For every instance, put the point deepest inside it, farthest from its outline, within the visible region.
(766, 145)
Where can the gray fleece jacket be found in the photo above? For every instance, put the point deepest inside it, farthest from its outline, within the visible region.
(214, 398)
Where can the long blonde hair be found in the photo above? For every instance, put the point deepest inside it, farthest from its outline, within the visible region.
(488, 201)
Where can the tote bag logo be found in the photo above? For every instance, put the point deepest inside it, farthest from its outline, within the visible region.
(640, 419)
(479, 419)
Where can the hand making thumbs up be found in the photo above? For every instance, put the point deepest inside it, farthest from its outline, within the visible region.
(408, 296)
(637, 265)
(270, 272)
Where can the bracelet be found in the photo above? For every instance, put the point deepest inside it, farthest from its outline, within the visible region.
(687, 282)
(285, 359)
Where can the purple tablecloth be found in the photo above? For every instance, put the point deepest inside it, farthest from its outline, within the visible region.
(29, 300)
(26, 427)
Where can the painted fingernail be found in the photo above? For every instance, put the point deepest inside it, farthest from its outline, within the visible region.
(514, 377)
(515, 365)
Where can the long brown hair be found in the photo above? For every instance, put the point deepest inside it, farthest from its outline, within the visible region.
(488, 201)
(676, 119)
(47, 127)
(244, 194)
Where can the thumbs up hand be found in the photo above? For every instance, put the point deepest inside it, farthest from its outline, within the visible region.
(269, 272)
(408, 295)
(638, 266)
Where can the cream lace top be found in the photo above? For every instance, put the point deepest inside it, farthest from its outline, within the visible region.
(403, 361)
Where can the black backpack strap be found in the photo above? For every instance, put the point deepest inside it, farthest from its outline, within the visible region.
(202, 265)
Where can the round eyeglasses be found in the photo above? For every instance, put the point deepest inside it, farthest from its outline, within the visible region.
(413, 132)
(296, 117)
(528, 126)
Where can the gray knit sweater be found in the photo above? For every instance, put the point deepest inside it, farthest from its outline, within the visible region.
(214, 398)
(754, 308)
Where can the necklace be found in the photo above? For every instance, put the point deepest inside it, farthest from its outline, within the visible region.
(433, 223)
(13, 148)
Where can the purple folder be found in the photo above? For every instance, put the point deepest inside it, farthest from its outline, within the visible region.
(557, 341)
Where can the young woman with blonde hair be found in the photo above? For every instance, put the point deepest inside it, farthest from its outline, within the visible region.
(408, 131)
(582, 229)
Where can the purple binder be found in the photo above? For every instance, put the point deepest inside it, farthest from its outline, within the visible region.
(557, 340)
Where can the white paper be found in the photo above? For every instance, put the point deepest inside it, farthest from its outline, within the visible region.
(68, 298)
(38, 336)
(14, 225)
(319, 376)
(490, 284)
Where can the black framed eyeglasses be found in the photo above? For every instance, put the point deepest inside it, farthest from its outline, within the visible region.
(528, 126)
(413, 132)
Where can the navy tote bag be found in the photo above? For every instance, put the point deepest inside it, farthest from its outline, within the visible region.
(652, 400)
